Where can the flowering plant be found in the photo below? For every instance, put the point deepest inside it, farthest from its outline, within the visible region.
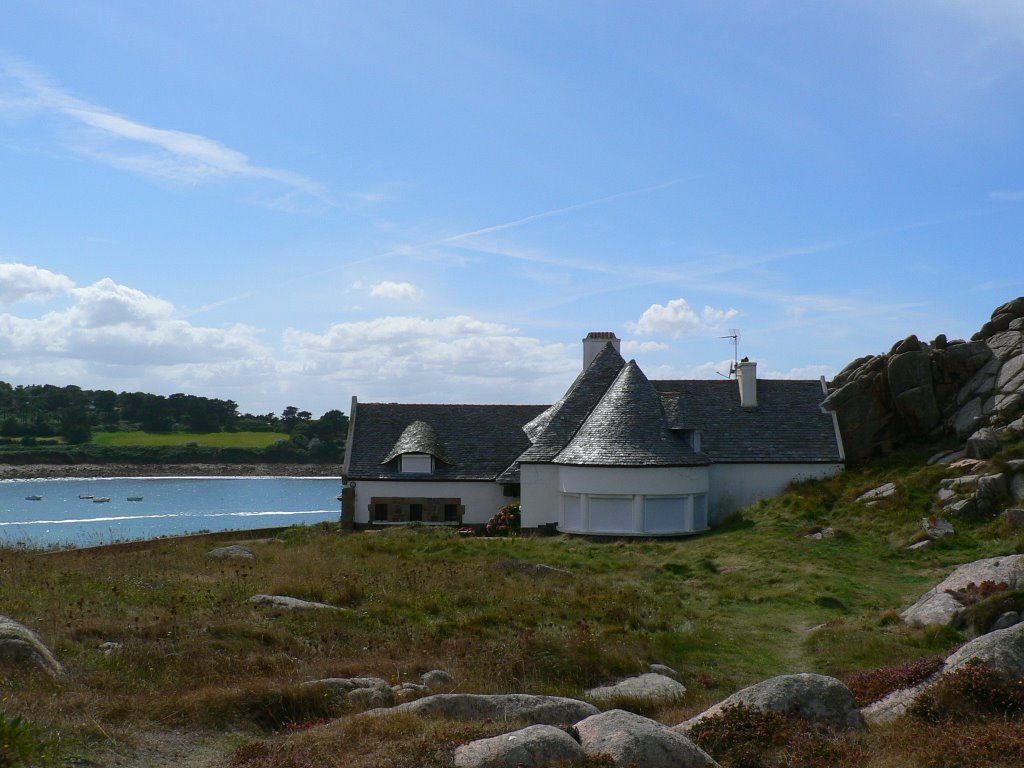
(506, 522)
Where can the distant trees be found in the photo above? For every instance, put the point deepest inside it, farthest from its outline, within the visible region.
(73, 413)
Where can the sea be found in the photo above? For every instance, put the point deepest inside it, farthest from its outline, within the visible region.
(67, 513)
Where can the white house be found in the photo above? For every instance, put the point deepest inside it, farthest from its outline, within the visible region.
(618, 455)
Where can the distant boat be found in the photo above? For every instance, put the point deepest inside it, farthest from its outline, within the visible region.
(134, 498)
(86, 496)
(34, 497)
(100, 499)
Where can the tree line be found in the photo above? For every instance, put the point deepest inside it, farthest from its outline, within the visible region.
(28, 412)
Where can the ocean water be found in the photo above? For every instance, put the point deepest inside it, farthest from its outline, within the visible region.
(168, 506)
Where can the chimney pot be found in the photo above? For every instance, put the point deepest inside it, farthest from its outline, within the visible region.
(595, 342)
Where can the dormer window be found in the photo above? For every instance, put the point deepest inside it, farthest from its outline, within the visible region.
(422, 463)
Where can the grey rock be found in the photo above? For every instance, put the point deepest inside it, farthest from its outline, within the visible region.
(1006, 344)
(1016, 426)
(968, 418)
(1017, 487)
(983, 444)
(936, 527)
(881, 492)
(1007, 568)
(232, 551)
(356, 691)
(944, 496)
(964, 509)
(992, 491)
(920, 545)
(1014, 517)
(662, 669)
(1002, 650)
(934, 608)
(535, 746)
(816, 698)
(1010, 370)
(409, 691)
(437, 680)
(109, 648)
(896, 704)
(1005, 621)
(284, 603)
(549, 710)
(909, 375)
(630, 739)
(21, 646)
(649, 687)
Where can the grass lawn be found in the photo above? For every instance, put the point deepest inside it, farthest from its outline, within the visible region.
(213, 439)
(726, 609)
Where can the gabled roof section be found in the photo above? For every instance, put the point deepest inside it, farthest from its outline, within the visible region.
(557, 426)
(478, 441)
(787, 425)
(628, 428)
(418, 437)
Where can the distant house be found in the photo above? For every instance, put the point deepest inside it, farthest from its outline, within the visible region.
(618, 455)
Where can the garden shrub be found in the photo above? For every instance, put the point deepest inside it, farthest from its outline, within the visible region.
(507, 522)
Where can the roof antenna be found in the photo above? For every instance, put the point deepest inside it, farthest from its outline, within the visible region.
(734, 337)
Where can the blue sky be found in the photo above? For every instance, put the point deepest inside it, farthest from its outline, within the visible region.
(291, 203)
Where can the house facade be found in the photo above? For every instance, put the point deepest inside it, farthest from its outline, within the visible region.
(617, 455)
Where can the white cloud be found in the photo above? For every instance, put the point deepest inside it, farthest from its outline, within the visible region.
(802, 372)
(121, 142)
(677, 318)
(435, 359)
(21, 282)
(396, 291)
(116, 325)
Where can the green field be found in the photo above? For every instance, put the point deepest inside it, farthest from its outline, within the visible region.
(212, 439)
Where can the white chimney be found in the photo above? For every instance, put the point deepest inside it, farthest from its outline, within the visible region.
(746, 377)
(595, 342)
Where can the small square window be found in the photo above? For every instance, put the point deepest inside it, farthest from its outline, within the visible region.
(451, 513)
(416, 512)
(380, 511)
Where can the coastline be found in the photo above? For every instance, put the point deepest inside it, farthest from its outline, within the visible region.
(46, 471)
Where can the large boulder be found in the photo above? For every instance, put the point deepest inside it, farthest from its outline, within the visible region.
(231, 552)
(910, 385)
(650, 688)
(356, 691)
(630, 739)
(812, 697)
(21, 646)
(940, 605)
(547, 710)
(983, 444)
(535, 746)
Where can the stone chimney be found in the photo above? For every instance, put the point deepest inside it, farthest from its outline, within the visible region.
(595, 342)
(746, 377)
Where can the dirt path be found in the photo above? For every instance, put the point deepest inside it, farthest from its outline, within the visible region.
(165, 749)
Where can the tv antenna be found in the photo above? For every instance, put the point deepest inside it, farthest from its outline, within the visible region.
(734, 338)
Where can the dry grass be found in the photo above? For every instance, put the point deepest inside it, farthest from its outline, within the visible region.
(726, 609)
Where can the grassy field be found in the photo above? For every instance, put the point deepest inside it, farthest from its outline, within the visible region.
(212, 439)
(726, 609)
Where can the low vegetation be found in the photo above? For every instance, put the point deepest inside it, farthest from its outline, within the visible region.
(751, 599)
(212, 439)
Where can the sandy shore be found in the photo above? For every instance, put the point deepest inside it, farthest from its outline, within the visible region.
(29, 471)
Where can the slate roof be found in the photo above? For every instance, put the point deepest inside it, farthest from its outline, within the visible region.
(555, 430)
(418, 437)
(787, 425)
(479, 441)
(628, 428)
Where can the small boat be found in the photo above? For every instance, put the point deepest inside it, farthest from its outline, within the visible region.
(134, 498)
(86, 496)
(34, 497)
(100, 499)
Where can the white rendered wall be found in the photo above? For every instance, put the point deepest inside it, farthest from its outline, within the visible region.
(734, 486)
(482, 499)
(539, 494)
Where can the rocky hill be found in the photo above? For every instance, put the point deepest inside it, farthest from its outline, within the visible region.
(932, 391)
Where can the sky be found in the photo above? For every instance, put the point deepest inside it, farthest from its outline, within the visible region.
(288, 203)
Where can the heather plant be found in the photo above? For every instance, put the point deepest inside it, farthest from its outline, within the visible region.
(975, 693)
(19, 745)
(874, 684)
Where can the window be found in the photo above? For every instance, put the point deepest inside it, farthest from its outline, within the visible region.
(380, 511)
(451, 513)
(417, 462)
(611, 513)
(416, 512)
(664, 513)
